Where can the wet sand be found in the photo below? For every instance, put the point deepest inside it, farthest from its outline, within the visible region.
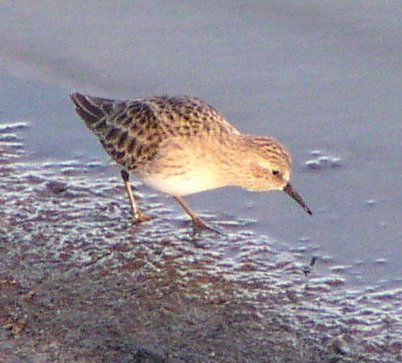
(79, 283)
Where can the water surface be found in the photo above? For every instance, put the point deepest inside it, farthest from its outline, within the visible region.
(323, 77)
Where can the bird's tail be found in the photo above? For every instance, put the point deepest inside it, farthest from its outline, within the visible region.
(92, 109)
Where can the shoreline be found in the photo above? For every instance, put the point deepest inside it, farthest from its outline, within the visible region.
(79, 283)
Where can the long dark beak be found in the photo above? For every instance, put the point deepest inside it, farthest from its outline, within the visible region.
(289, 190)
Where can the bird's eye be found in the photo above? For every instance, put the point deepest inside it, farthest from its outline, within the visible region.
(275, 172)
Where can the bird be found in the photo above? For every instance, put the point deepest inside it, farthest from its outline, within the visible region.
(180, 145)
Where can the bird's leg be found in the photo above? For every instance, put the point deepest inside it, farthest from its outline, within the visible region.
(136, 214)
(198, 223)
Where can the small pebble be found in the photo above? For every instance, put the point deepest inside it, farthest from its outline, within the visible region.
(323, 161)
(336, 162)
(313, 164)
(340, 346)
(56, 187)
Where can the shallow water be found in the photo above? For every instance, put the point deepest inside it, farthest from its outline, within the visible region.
(76, 275)
(323, 78)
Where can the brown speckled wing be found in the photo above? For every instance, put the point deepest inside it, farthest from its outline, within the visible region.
(187, 116)
(130, 131)
(123, 128)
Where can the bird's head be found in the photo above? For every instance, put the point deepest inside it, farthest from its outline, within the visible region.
(269, 168)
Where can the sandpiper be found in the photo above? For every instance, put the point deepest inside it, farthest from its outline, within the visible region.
(182, 145)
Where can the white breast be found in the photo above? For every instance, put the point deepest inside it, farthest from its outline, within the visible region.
(181, 185)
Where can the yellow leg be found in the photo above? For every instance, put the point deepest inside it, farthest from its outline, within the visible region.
(136, 214)
(197, 221)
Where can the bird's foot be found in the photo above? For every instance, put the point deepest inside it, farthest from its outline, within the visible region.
(140, 217)
(200, 226)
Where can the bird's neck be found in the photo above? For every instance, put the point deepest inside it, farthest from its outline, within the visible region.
(237, 160)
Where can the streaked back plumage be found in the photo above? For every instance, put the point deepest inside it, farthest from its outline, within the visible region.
(130, 131)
